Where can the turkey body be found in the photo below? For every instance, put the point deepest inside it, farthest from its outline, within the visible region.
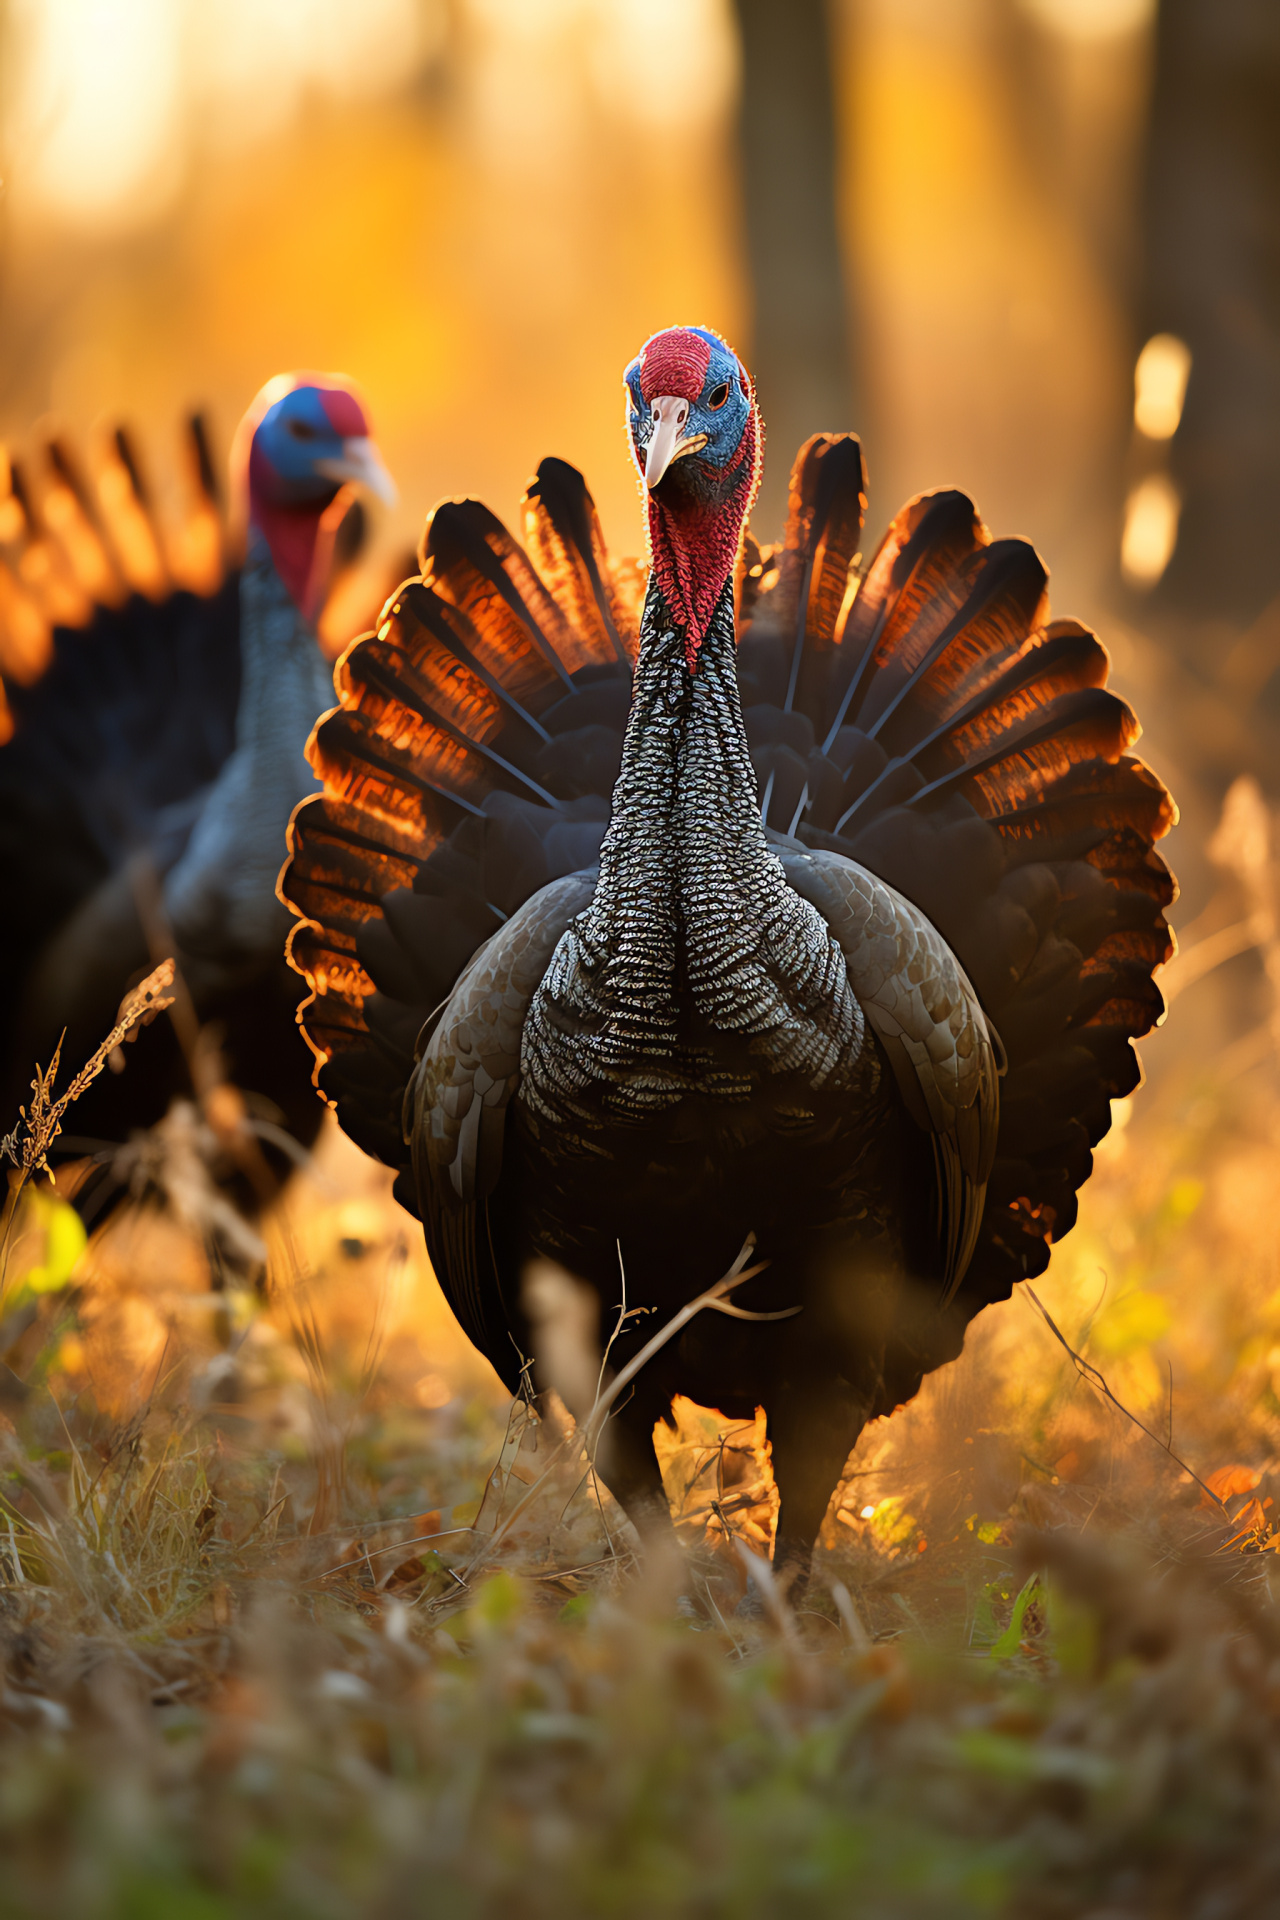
(149, 784)
(175, 862)
(695, 1068)
(750, 963)
(114, 750)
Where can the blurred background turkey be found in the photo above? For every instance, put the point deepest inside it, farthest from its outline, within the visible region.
(1025, 248)
(156, 754)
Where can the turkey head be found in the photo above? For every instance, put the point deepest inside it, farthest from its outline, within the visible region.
(695, 434)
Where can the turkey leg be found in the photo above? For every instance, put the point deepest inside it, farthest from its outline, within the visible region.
(813, 1428)
(629, 1466)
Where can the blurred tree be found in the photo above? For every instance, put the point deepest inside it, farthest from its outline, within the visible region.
(1213, 278)
(800, 348)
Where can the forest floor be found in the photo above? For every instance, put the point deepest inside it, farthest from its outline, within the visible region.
(301, 1617)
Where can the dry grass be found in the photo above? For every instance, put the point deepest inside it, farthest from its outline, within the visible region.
(300, 1617)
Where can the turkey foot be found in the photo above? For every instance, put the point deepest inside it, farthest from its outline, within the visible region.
(632, 1474)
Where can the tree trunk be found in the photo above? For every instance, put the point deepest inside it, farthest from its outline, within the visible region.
(1213, 278)
(799, 353)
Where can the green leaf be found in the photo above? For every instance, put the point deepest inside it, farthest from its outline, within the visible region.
(1008, 1643)
(497, 1601)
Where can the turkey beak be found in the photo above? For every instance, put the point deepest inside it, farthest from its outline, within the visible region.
(360, 461)
(668, 440)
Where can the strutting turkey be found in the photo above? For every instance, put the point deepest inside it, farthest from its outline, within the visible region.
(146, 792)
(852, 960)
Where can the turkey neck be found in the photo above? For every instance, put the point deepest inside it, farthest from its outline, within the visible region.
(220, 897)
(696, 968)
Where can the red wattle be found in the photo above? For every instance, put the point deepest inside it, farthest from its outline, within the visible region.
(693, 547)
(292, 534)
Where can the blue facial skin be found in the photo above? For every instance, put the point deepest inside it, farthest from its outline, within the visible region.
(292, 436)
(723, 425)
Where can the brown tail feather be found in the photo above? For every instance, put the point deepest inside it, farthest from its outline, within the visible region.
(827, 504)
(919, 579)
(86, 543)
(197, 546)
(26, 632)
(1094, 798)
(1029, 757)
(1060, 660)
(566, 545)
(950, 701)
(41, 563)
(496, 665)
(929, 665)
(397, 772)
(74, 516)
(335, 876)
(470, 560)
(128, 522)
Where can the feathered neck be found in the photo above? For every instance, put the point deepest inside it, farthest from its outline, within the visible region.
(685, 753)
(221, 896)
(692, 935)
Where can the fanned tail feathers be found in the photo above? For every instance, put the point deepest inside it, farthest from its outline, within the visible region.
(76, 538)
(967, 748)
(924, 717)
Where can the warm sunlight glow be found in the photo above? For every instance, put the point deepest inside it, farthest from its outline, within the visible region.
(1092, 20)
(112, 96)
(1150, 530)
(657, 64)
(1160, 386)
(99, 99)
(259, 60)
(665, 61)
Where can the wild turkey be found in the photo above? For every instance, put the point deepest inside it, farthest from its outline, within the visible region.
(145, 793)
(896, 849)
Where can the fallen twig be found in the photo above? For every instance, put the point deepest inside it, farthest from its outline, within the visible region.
(1097, 1380)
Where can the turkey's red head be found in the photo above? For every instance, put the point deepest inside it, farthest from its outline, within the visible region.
(697, 440)
(304, 442)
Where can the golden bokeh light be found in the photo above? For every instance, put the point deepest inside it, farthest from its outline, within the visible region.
(1160, 386)
(1092, 20)
(1150, 530)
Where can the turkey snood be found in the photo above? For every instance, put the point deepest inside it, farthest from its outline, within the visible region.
(696, 969)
